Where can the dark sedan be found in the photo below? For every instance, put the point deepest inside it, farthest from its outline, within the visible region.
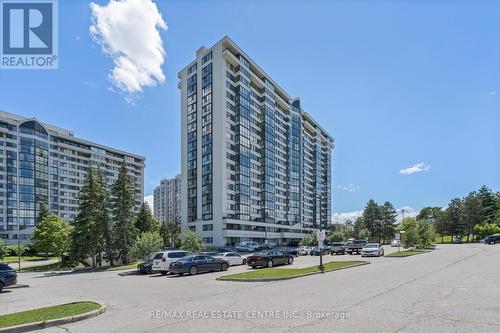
(145, 267)
(269, 259)
(492, 240)
(8, 276)
(316, 252)
(197, 264)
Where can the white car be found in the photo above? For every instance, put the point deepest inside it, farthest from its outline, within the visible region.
(247, 247)
(304, 250)
(233, 258)
(396, 243)
(162, 260)
(372, 249)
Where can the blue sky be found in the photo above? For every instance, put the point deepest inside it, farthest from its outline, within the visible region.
(397, 83)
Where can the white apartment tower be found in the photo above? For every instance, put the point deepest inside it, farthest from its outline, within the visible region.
(255, 166)
(167, 200)
(44, 164)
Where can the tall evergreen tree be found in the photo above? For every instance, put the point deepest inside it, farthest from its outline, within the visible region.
(145, 221)
(43, 212)
(371, 219)
(170, 232)
(488, 204)
(429, 214)
(104, 221)
(473, 212)
(454, 218)
(122, 213)
(388, 215)
(85, 238)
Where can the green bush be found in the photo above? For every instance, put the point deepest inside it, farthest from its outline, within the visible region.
(192, 242)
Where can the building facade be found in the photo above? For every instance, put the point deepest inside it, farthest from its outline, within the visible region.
(255, 166)
(167, 200)
(44, 164)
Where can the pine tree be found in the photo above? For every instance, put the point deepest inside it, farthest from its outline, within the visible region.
(145, 221)
(454, 218)
(473, 212)
(122, 212)
(488, 203)
(104, 222)
(43, 212)
(85, 237)
(388, 215)
(170, 232)
(371, 219)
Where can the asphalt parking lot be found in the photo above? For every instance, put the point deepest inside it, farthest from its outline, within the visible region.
(451, 289)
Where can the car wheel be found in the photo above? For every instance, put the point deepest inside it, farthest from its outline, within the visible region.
(193, 270)
(270, 264)
(163, 273)
(290, 261)
(492, 243)
(244, 262)
(223, 267)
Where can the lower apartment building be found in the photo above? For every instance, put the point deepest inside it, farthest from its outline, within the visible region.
(255, 165)
(167, 200)
(44, 164)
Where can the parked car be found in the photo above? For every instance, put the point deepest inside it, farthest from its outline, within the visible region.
(304, 250)
(456, 240)
(292, 250)
(232, 257)
(372, 249)
(396, 243)
(337, 248)
(211, 254)
(196, 264)
(317, 251)
(247, 247)
(264, 247)
(225, 248)
(8, 276)
(163, 260)
(269, 259)
(145, 267)
(491, 240)
(355, 246)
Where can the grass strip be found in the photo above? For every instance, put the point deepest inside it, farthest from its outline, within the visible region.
(406, 253)
(280, 273)
(47, 313)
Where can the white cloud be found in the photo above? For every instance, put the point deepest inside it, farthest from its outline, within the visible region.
(348, 188)
(129, 32)
(149, 199)
(492, 92)
(419, 167)
(409, 212)
(343, 217)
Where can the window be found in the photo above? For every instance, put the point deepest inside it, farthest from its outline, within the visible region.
(208, 240)
(208, 227)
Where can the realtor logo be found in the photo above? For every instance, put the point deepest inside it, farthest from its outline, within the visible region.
(29, 34)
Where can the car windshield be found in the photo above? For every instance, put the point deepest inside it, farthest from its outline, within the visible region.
(372, 245)
(263, 253)
(5, 267)
(176, 254)
(188, 258)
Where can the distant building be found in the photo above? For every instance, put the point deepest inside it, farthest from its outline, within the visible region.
(41, 163)
(167, 197)
(255, 165)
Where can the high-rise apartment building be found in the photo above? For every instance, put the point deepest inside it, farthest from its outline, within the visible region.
(167, 200)
(41, 163)
(255, 166)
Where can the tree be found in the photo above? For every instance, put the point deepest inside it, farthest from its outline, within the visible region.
(170, 232)
(103, 221)
(122, 214)
(3, 251)
(454, 218)
(388, 217)
(488, 229)
(43, 212)
(425, 233)
(85, 238)
(430, 214)
(371, 219)
(335, 237)
(472, 212)
(309, 240)
(488, 204)
(52, 235)
(410, 236)
(364, 234)
(145, 221)
(147, 243)
(348, 229)
(192, 242)
(358, 225)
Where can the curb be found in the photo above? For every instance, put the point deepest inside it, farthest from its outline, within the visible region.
(221, 278)
(408, 255)
(16, 286)
(55, 322)
(127, 273)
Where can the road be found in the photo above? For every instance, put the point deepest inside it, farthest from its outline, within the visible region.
(454, 288)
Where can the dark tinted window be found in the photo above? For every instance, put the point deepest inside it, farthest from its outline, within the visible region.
(5, 267)
(176, 254)
(159, 255)
(199, 258)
